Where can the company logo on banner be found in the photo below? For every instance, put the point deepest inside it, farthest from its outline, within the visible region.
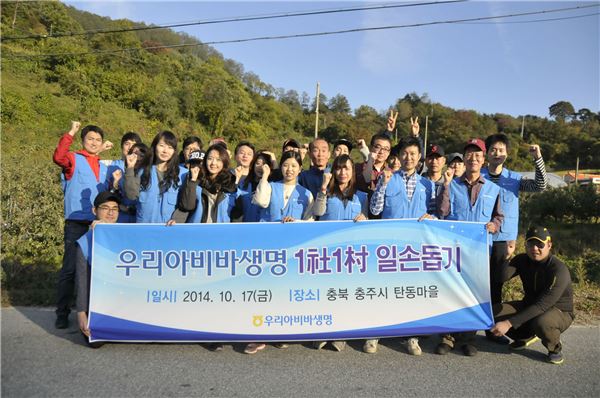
(288, 282)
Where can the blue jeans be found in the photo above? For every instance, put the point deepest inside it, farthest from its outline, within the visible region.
(66, 278)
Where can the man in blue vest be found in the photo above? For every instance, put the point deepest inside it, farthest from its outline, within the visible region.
(510, 184)
(469, 198)
(106, 210)
(83, 177)
(312, 178)
(403, 194)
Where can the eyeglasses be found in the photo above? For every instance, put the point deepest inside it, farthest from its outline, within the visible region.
(534, 242)
(109, 209)
(379, 148)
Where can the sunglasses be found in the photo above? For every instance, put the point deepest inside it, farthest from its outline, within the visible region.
(538, 243)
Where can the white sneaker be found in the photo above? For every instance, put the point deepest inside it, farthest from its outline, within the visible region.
(370, 346)
(412, 346)
(319, 344)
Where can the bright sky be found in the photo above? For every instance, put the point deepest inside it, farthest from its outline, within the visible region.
(489, 66)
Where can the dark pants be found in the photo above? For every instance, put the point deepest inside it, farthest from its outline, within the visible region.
(66, 278)
(497, 258)
(459, 339)
(547, 326)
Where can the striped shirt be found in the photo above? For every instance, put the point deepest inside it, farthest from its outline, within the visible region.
(538, 185)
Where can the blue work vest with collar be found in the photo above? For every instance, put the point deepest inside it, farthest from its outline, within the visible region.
(460, 203)
(509, 183)
(124, 217)
(81, 190)
(151, 206)
(85, 244)
(297, 203)
(397, 204)
(336, 210)
(251, 211)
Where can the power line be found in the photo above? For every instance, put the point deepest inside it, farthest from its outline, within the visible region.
(533, 20)
(233, 19)
(290, 36)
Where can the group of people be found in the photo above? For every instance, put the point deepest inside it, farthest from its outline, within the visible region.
(158, 185)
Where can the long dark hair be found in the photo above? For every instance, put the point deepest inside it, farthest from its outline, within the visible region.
(252, 178)
(334, 187)
(171, 177)
(222, 181)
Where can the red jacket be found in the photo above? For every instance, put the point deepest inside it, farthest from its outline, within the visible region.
(66, 159)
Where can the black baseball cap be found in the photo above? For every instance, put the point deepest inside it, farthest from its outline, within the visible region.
(435, 149)
(540, 233)
(106, 196)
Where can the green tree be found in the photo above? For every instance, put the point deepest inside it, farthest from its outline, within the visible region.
(561, 110)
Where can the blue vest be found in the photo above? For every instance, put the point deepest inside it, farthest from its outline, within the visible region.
(460, 203)
(311, 179)
(297, 203)
(336, 210)
(85, 244)
(509, 184)
(397, 204)
(151, 206)
(124, 217)
(81, 190)
(252, 212)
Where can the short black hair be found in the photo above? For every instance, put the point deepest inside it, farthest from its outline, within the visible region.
(130, 136)
(311, 145)
(381, 136)
(244, 143)
(91, 127)
(406, 142)
(494, 138)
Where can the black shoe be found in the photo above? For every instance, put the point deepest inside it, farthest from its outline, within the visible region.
(522, 344)
(95, 344)
(556, 357)
(469, 350)
(503, 340)
(442, 349)
(62, 322)
(216, 347)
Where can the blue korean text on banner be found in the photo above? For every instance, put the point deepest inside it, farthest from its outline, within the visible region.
(288, 282)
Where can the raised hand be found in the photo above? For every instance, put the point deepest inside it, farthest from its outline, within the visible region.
(266, 171)
(303, 151)
(131, 160)
(448, 176)
(117, 175)
(239, 172)
(361, 143)
(387, 175)
(195, 172)
(326, 180)
(106, 146)
(535, 151)
(414, 126)
(75, 126)
(391, 122)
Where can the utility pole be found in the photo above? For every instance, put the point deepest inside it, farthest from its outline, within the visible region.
(522, 126)
(317, 100)
(577, 172)
(425, 141)
(15, 15)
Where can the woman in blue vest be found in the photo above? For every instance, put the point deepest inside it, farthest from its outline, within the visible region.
(245, 209)
(286, 200)
(155, 188)
(209, 194)
(338, 199)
